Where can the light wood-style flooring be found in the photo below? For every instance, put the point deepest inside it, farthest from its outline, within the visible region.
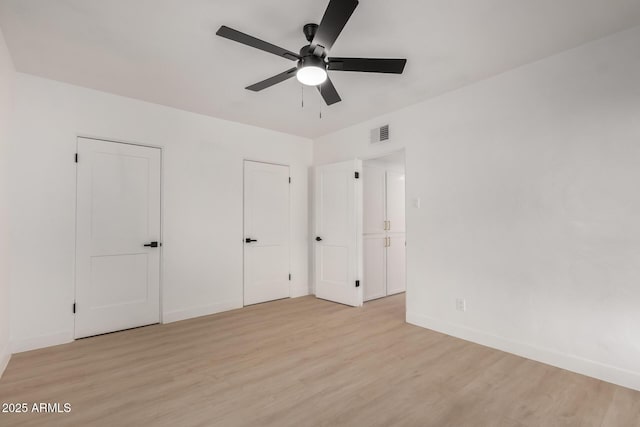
(303, 362)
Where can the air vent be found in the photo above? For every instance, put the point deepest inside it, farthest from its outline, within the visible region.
(380, 134)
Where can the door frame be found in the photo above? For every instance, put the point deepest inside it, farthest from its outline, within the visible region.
(385, 154)
(242, 237)
(75, 234)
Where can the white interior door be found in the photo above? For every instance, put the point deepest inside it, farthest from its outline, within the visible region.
(375, 266)
(118, 213)
(374, 200)
(396, 264)
(338, 250)
(266, 232)
(395, 202)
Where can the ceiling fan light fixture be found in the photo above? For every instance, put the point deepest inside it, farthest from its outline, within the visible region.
(311, 75)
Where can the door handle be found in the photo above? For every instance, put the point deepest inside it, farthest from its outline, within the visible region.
(248, 240)
(318, 239)
(153, 244)
(389, 225)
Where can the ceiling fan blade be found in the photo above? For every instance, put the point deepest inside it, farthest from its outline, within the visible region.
(273, 80)
(329, 92)
(237, 36)
(368, 65)
(335, 18)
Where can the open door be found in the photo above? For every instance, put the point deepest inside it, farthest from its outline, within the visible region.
(338, 239)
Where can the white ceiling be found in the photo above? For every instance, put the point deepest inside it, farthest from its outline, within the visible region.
(166, 51)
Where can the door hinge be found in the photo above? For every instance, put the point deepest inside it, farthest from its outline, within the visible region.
(357, 283)
(76, 157)
(289, 180)
(74, 308)
(357, 174)
(289, 276)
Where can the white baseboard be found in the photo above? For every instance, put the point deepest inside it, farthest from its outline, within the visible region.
(571, 363)
(34, 343)
(5, 356)
(190, 313)
(299, 291)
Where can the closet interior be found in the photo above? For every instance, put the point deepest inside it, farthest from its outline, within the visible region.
(384, 239)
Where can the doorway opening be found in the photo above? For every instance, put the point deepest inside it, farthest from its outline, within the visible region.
(384, 231)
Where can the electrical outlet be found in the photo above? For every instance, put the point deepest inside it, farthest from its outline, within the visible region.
(461, 304)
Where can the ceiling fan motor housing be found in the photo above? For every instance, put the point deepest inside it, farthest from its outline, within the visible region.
(310, 60)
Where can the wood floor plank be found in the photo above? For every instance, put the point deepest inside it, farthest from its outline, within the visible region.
(303, 362)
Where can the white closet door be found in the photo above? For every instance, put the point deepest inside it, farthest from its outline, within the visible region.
(395, 202)
(118, 216)
(338, 246)
(396, 264)
(266, 232)
(374, 200)
(373, 283)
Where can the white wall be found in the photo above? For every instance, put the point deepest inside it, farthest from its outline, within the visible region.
(529, 184)
(7, 80)
(202, 202)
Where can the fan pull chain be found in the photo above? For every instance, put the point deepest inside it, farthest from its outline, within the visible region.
(302, 92)
(320, 88)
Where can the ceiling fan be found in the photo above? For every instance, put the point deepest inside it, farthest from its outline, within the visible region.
(314, 60)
